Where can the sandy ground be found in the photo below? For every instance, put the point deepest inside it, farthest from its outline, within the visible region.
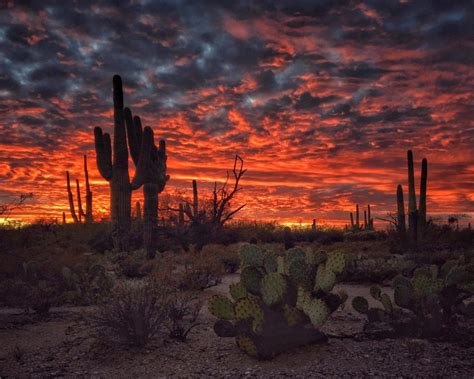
(64, 345)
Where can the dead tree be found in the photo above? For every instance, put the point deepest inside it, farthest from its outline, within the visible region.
(220, 210)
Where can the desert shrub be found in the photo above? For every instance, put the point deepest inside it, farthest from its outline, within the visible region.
(227, 255)
(85, 284)
(182, 314)
(377, 270)
(135, 265)
(135, 313)
(365, 235)
(200, 271)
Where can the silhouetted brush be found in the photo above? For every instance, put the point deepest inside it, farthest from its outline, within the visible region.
(113, 166)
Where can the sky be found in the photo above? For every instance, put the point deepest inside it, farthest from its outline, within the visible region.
(321, 98)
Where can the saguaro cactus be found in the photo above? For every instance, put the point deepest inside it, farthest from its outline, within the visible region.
(150, 173)
(400, 210)
(113, 166)
(71, 198)
(357, 217)
(412, 210)
(138, 211)
(366, 225)
(80, 211)
(352, 221)
(88, 215)
(422, 206)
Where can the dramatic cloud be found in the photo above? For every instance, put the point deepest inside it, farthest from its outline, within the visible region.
(321, 98)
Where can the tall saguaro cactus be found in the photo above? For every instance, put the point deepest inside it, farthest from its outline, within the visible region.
(88, 215)
(400, 210)
(412, 210)
(150, 173)
(422, 206)
(357, 217)
(113, 166)
(71, 198)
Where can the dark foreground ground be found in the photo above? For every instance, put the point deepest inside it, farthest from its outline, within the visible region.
(64, 345)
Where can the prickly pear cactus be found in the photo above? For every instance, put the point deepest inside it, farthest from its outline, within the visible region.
(425, 303)
(277, 298)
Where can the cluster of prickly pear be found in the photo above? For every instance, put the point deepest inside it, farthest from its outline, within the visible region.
(277, 297)
(361, 305)
(431, 297)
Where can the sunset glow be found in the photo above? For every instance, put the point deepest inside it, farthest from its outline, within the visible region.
(321, 99)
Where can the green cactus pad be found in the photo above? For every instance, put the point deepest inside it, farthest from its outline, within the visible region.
(299, 272)
(386, 302)
(375, 292)
(246, 344)
(316, 258)
(248, 309)
(303, 299)
(273, 288)
(317, 312)
(325, 279)
(403, 292)
(295, 252)
(456, 275)
(336, 262)
(251, 278)
(221, 307)
(293, 316)
(281, 265)
(424, 284)
(360, 304)
(250, 255)
(238, 291)
(270, 263)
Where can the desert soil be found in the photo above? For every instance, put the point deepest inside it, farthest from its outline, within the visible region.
(64, 345)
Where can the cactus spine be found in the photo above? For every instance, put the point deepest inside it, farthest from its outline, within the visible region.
(400, 210)
(113, 166)
(422, 206)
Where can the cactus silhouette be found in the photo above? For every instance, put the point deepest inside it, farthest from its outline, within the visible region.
(400, 210)
(88, 215)
(423, 182)
(150, 173)
(113, 166)
(138, 211)
(416, 216)
(72, 209)
(412, 210)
